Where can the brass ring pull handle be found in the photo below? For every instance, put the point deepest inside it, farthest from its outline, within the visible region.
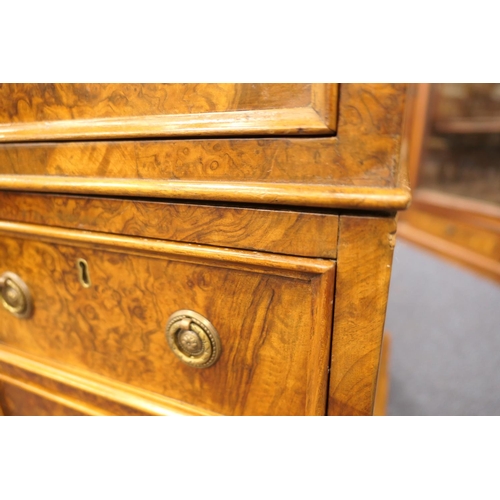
(15, 295)
(193, 339)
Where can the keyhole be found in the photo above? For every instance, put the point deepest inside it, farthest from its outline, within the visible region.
(83, 273)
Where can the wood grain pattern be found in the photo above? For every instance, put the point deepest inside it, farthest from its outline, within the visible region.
(35, 102)
(324, 101)
(343, 171)
(19, 399)
(41, 112)
(306, 195)
(104, 395)
(279, 231)
(273, 314)
(258, 262)
(363, 272)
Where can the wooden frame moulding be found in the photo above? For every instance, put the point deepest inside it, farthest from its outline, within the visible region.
(86, 392)
(318, 117)
(358, 168)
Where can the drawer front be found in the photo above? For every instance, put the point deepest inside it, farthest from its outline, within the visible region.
(19, 400)
(40, 112)
(273, 315)
(30, 385)
(288, 232)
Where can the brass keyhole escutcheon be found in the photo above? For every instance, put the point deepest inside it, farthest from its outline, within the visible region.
(193, 339)
(83, 273)
(15, 295)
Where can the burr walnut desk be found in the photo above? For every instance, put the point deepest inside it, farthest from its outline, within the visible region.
(196, 249)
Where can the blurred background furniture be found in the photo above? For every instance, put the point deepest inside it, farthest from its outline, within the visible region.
(454, 165)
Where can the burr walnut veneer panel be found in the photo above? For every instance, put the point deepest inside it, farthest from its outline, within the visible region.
(273, 314)
(41, 112)
(289, 232)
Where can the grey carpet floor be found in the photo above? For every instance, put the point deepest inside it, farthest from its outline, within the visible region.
(445, 325)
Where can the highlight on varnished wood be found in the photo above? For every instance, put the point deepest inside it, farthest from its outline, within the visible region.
(383, 380)
(299, 267)
(86, 392)
(320, 196)
(279, 231)
(21, 399)
(272, 312)
(45, 112)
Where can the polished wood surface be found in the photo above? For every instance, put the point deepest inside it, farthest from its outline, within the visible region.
(383, 381)
(306, 195)
(364, 262)
(103, 395)
(218, 257)
(38, 102)
(279, 231)
(267, 208)
(357, 168)
(19, 399)
(46, 112)
(273, 314)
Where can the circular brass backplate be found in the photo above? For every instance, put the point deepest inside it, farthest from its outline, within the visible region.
(15, 295)
(193, 339)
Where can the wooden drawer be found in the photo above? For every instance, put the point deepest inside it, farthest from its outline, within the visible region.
(46, 112)
(285, 231)
(36, 386)
(18, 399)
(273, 314)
